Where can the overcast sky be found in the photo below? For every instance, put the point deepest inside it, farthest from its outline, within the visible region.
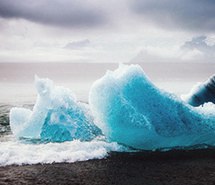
(107, 31)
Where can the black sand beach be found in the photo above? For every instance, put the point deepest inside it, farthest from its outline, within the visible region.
(176, 167)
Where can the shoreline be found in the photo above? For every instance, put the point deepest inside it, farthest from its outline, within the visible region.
(173, 167)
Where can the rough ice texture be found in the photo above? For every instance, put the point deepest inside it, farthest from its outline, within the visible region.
(132, 111)
(56, 116)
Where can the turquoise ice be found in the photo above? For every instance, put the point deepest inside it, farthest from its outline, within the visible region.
(131, 110)
(125, 105)
(57, 116)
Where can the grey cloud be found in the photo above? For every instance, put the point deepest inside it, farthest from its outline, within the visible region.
(199, 43)
(144, 56)
(64, 13)
(77, 44)
(195, 50)
(195, 15)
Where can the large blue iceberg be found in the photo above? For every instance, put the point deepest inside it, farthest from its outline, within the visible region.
(130, 110)
(57, 116)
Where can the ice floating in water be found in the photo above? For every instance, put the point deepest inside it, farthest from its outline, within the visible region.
(131, 110)
(56, 116)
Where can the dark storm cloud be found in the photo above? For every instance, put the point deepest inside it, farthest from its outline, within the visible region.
(196, 15)
(66, 13)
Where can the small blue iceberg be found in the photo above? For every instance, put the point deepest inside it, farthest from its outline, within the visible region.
(57, 116)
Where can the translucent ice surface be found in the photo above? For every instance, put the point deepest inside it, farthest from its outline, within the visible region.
(56, 116)
(130, 110)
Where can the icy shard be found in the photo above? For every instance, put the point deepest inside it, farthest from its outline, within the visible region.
(201, 93)
(131, 110)
(56, 116)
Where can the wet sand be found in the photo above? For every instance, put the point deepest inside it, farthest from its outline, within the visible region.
(177, 167)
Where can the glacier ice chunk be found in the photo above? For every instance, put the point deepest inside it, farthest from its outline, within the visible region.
(56, 116)
(131, 110)
(201, 93)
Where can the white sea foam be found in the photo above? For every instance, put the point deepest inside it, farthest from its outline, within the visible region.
(18, 152)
